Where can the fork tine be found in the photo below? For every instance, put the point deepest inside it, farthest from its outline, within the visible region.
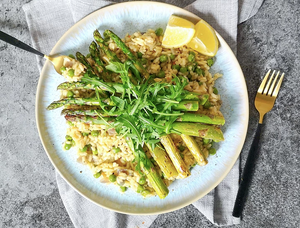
(262, 85)
(268, 84)
(273, 84)
(276, 90)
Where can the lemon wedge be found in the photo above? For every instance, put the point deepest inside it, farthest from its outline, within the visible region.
(205, 40)
(179, 32)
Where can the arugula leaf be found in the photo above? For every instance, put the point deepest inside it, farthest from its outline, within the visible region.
(120, 103)
(129, 122)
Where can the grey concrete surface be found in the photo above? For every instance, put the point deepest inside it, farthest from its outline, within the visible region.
(28, 190)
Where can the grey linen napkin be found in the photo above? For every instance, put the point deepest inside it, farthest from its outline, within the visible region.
(48, 20)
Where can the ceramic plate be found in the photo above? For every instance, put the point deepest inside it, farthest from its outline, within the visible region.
(127, 18)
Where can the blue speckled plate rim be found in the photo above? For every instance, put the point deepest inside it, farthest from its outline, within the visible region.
(68, 178)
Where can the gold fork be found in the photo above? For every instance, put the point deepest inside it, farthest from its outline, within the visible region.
(264, 102)
(56, 61)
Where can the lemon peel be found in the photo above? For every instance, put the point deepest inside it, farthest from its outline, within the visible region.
(205, 40)
(179, 32)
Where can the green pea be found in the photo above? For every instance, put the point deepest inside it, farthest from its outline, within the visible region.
(191, 58)
(212, 151)
(206, 141)
(159, 32)
(176, 67)
(123, 188)
(71, 72)
(181, 148)
(192, 53)
(200, 83)
(139, 54)
(190, 67)
(84, 149)
(161, 74)
(172, 57)
(144, 61)
(116, 150)
(94, 133)
(112, 178)
(84, 133)
(215, 91)
(207, 105)
(72, 56)
(199, 71)
(163, 58)
(140, 189)
(142, 180)
(183, 70)
(210, 62)
(70, 93)
(68, 138)
(146, 192)
(95, 152)
(63, 68)
(67, 146)
(97, 175)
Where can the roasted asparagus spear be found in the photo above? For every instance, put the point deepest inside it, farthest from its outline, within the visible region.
(163, 160)
(174, 155)
(194, 149)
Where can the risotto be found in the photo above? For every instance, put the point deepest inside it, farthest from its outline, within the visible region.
(107, 153)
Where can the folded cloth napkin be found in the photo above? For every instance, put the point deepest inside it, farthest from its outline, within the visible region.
(48, 20)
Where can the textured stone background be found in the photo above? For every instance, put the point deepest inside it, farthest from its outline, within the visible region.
(28, 191)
